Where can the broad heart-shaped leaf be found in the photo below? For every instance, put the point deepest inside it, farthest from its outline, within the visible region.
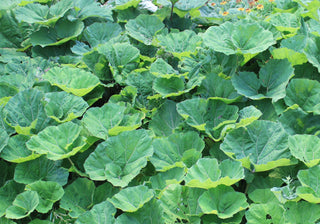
(4, 139)
(207, 115)
(58, 142)
(112, 120)
(295, 58)
(72, 80)
(90, 8)
(16, 151)
(239, 37)
(124, 4)
(42, 14)
(173, 151)
(265, 213)
(41, 169)
(78, 197)
(122, 57)
(63, 107)
(7, 195)
(163, 179)
(63, 31)
(48, 192)
(264, 144)
(301, 212)
(120, 158)
(305, 93)
(100, 33)
(166, 120)
(144, 27)
(272, 81)
(285, 22)
(309, 179)
(131, 199)
(207, 173)
(305, 148)
(22, 110)
(100, 213)
(222, 201)
(23, 205)
(180, 44)
(216, 87)
(312, 50)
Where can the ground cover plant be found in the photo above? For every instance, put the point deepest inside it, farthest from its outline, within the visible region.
(167, 111)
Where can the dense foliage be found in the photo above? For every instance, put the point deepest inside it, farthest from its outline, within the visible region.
(171, 111)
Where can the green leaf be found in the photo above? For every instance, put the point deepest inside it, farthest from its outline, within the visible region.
(309, 179)
(305, 93)
(306, 148)
(7, 195)
(295, 58)
(301, 212)
(78, 197)
(131, 199)
(180, 44)
(16, 151)
(41, 169)
(100, 213)
(91, 8)
(23, 205)
(3, 220)
(161, 68)
(72, 80)
(64, 107)
(144, 28)
(265, 213)
(264, 144)
(124, 4)
(163, 179)
(48, 192)
(222, 201)
(239, 37)
(169, 152)
(312, 50)
(22, 110)
(272, 81)
(63, 31)
(4, 139)
(120, 158)
(285, 22)
(100, 33)
(58, 142)
(166, 120)
(207, 173)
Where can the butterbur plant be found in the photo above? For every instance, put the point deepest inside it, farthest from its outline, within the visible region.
(163, 111)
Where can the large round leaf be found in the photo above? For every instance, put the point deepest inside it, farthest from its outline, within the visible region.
(301, 212)
(120, 158)
(100, 213)
(177, 150)
(309, 179)
(131, 199)
(239, 37)
(265, 213)
(312, 50)
(4, 139)
(58, 142)
(72, 80)
(8, 193)
(264, 144)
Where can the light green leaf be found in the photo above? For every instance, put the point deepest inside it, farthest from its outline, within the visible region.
(23, 205)
(186, 5)
(124, 4)
(169, 152)
(4, 139)
(100, 213)
(272, 81)
(131, 199)
(295, 58)
(120, 158)
(309, 179)
(58, 142)
(305, 93)
(63, 31)
(264, 144)
(72, 80)
(207, 173)
(222, 201)
(41, 169)
(91, 8)
(16, 151)
(306, 148)
(78, 197)
(180, 44)
(100, 33)
(285, 22)
(301, 212)
(7, 195)
(312, 50)
(48, 191)
(161, 68)
(3, 220)
(239, 37)
(64, 107)
(265, 213)
(163, 179)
